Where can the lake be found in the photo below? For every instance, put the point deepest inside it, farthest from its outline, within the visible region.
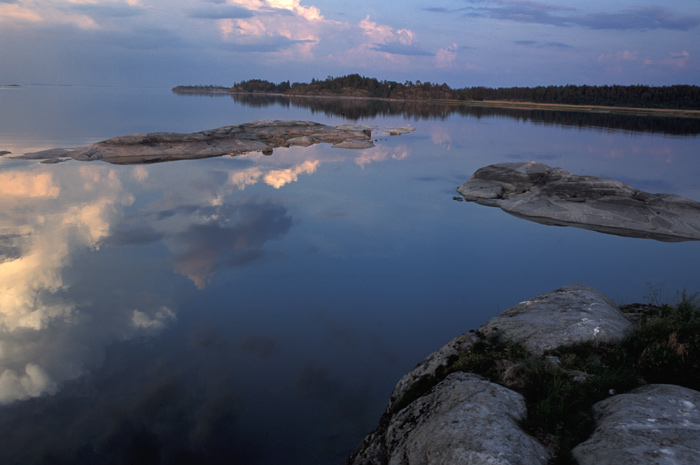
(259, 309)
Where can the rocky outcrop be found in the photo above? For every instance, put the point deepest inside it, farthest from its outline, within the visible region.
(568, 315)
(462, 420)
(537, 192)
(258, 136)
(433, 366)
(653, 424)
(440, 414)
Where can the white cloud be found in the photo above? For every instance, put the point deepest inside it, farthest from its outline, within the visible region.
(380, 154)
(47, 337)
(158, 320)
(32, 383)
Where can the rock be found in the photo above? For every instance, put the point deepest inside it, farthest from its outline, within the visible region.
(537, 192)
(433, 363)
(462, 420)
(654, 424)
(568, 315)
(4, 152)
(400, 131)
(258, 136)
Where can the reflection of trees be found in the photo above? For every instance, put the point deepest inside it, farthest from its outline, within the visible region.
(355, 109)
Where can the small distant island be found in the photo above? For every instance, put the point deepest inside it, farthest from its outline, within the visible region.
(682, 100)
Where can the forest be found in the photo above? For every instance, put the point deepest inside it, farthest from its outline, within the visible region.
(682, 97)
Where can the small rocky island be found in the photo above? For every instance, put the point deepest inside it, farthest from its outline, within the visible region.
(553, 196)
(555, 379)
(257, 136)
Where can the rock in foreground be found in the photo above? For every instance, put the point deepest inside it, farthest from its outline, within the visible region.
(440, 414)
(258, 136)
(569, 315)
(537, 192)
(463, 420)
(653, 424)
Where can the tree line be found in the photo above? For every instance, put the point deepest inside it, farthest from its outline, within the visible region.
(361, 109)
(683, 97)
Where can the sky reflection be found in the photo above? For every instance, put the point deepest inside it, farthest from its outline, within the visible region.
(260, 309)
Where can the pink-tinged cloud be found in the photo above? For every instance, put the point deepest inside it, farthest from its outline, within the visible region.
(675, 60)
(28, 185)
(446, 57)
(278, 178)
(13, 12)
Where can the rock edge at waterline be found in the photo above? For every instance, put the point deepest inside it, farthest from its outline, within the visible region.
(553, 196)
(257, 136)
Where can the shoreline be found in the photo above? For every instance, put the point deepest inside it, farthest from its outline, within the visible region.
(630, 111)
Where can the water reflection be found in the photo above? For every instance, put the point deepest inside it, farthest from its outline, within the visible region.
(288, 293)
(47, 334)
(358, 109)
(52, 328)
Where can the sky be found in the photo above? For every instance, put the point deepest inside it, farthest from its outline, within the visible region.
(164, 43)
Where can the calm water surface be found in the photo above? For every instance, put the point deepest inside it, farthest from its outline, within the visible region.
(259, 310)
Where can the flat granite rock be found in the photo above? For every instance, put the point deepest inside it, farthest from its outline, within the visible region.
(553, 196)
(257, 136)
(568, 315)
(653, 424)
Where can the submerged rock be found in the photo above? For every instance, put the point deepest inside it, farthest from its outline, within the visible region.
(553, 196)
(568, 315)
(400, 131)
(653, 424)
(462, 420)
(258, 136)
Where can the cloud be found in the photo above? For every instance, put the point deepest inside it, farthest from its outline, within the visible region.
(114, 10)
(10, 12)
(46, 336)
(140, 173)
(380, 154)
(220, 12)
(400, 49)
(446, 57)
(536, 44)
(639, 18)
(527, 11)
(278, 178)
(221, 242)
(625, 55)
(674, 60)
(18, 184)
(158, 320)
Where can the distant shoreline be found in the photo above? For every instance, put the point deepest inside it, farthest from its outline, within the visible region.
(631, 111)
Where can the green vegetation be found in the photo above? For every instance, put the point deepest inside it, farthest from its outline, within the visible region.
(561, 387)
(681, 97)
